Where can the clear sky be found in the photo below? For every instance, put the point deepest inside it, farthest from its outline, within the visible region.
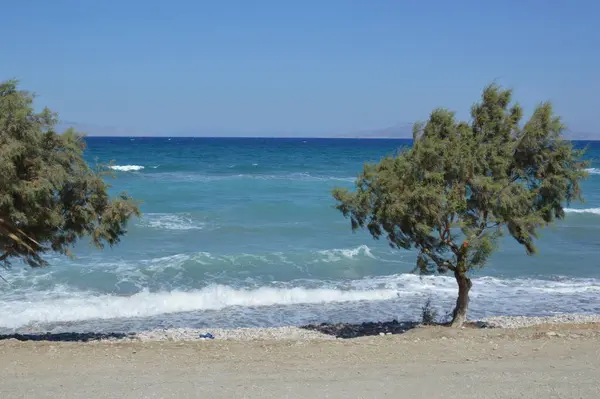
(280, 67)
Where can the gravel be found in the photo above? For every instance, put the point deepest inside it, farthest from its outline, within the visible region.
(328, 332)
(306, 333)
(523, 321)
(237, 334)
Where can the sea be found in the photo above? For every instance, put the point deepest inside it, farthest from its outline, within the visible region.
(242, 232)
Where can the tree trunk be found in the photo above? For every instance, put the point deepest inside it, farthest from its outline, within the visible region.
(459, 315)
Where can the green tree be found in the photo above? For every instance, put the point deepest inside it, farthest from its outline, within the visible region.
(49, 196)
(463, 185)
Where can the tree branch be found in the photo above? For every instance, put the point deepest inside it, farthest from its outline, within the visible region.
(3, 257)
(444, 234)
(441, 263)
(483, 224)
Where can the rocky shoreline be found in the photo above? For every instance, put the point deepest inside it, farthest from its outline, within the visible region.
(322, 331)
(530, 321)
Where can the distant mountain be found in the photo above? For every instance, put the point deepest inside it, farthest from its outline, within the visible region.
(106, 131)
(404, 131)
(582, 136)
(399, 131)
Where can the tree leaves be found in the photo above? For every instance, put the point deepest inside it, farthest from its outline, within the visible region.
(462, 184)
(49, 197)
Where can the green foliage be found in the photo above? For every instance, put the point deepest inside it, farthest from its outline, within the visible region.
(49, 197)
(463, 184)
(429, 315)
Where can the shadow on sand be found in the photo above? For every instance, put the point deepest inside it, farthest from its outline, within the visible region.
(65, 337)
(346, 330)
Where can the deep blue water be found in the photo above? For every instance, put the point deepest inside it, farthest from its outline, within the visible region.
(242, 232)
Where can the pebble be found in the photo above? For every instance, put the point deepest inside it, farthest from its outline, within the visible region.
(522, 321)
(237, 334)
(306, 333)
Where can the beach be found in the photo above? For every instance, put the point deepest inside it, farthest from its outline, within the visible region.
(299, 200)
(546, 360)
(242, 232)
(239, 239)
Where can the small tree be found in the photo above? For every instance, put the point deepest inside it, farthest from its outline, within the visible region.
(49, 197)
(461, 186)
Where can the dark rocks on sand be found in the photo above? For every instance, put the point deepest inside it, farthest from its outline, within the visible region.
(347, 330)
(67, 337)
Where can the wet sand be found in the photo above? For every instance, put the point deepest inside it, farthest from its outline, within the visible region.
(550, 361)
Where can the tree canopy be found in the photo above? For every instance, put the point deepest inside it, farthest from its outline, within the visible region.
(463, 185)
(49, 196)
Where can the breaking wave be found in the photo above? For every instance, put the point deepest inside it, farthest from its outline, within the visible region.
(595, 211)
(144, 304)
(498, 296)
(127, 168)
(169, 221)
(207, 178)
(335, 255)
(593, 171)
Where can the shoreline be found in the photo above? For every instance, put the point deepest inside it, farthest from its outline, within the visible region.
(315, 332)
(541, 361)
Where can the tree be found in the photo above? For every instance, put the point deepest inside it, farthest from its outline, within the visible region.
(49, 196)
(463, 185)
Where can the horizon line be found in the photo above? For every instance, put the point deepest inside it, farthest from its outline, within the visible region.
(278, 137)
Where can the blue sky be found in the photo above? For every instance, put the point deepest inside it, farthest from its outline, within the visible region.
(304, 67)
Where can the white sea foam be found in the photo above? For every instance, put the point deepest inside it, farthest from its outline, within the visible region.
(593, 171)
(595, 211)
(127, 168)
(403, 290)
(82, 306)
(170, 221)
(195, 177)
(335, 255)
(303, 176)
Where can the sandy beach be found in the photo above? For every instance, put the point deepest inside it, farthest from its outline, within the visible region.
(544, 361)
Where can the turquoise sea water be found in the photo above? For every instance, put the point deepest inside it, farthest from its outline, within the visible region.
(242, 232)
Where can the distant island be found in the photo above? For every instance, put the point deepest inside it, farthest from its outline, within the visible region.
(101, 131)
(398, 131)
(404, 131)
